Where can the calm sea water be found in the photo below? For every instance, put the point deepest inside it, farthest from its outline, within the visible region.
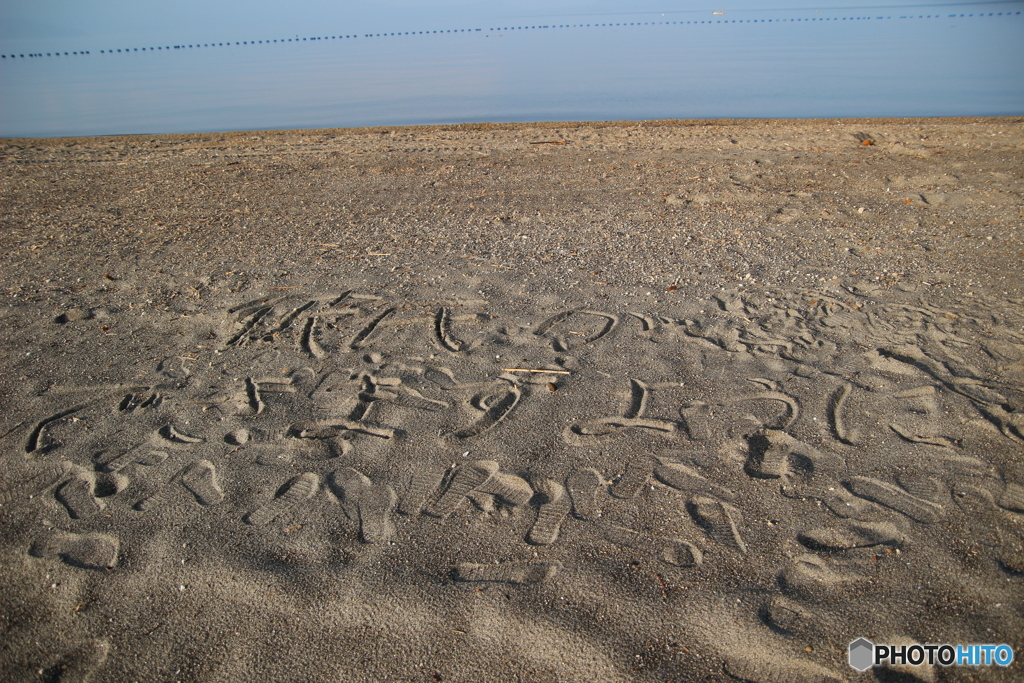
(858, 64)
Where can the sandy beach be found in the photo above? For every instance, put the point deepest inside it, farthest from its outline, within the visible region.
(632, 401)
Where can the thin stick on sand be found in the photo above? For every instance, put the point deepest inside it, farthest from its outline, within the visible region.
(545, 372)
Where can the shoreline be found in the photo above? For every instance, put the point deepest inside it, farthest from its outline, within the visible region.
(542, 125)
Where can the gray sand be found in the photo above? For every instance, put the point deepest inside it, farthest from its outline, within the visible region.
(670, 401)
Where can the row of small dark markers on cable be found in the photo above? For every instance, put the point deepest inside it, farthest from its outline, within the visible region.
(746, 21)
(505, 28)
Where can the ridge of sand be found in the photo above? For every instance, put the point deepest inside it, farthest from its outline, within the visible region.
(620, 402)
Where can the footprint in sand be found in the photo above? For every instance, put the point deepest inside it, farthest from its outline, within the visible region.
(696, 420)
(816, 579)
(896, 498)
(466, 478)
(990, 517)
(199, 479)
(853, 535)
(38, 480)
(719, 520)
(687, 479)
(552, 512)
(371, 505)
(803, 470)
(295, 492)
(424, 481)
(508, 488)
(90, 551)
(584, 487)
(148, 454)
(1012, 498)
(636, 475)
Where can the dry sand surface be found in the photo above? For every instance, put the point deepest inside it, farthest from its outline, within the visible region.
(666, 401)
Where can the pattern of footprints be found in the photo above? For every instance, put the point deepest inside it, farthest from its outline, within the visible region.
(802, 470)
(315, 426)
